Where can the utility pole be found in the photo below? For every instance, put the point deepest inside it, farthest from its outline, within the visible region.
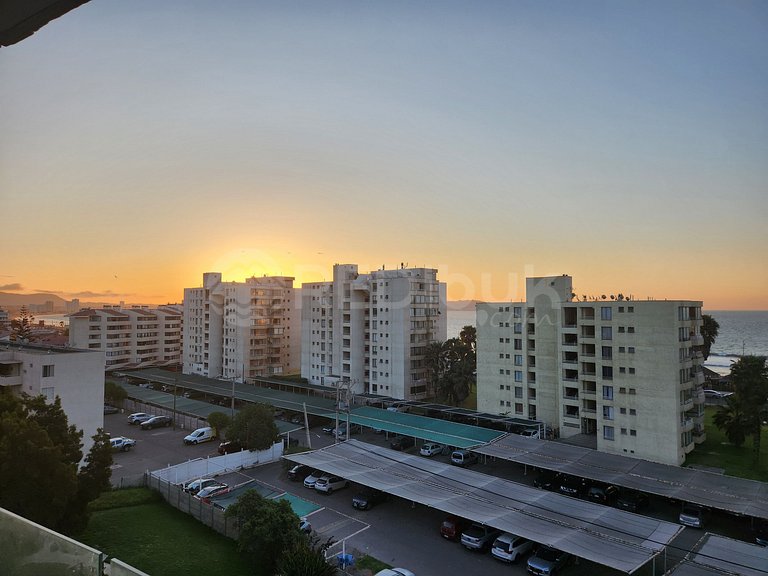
(175, 383)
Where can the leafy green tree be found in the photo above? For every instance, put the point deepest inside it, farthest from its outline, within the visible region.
(114, 393)
(219, 422)
(254, 427)
(709, 329)
(21, 327)
(267, 528)
(307, 559)
(452, 366)
(92, 480)
(39, 457)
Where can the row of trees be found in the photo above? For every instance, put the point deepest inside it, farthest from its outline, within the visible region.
(39, 456)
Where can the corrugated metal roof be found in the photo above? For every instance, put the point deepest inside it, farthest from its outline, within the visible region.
(719, 555)
(608, 536)
(737, 495)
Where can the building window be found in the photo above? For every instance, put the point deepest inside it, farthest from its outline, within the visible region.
(606, 333)
(631, 349)
(607, 352)
(607, 372)
(621, 329)
(518, 359)
(631, 370)
(518, 328)
(607, 392)
(623, 410)
(607, 412)
(518, 376)
(501, 386)
(501, 402)
(47, 370)
(608, 432)
(605, 313)
(632, 412)
(518, 391)
(622, 370)
(518, 344)
(630, 309)
(623, 431)
(633, 432)
(48, 393)
(631, 329)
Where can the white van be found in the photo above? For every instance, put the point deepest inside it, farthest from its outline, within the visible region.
(200, 435)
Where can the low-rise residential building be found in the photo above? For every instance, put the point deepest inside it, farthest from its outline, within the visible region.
(626, 372)
(75, 376)
(372, 329)
(130, 337)
(241, 330)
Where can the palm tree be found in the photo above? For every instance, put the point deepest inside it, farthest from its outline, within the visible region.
(742, 416)
(709, 328)
(732, 420)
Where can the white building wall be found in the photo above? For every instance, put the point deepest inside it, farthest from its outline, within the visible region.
(626, 372)
(76, 376)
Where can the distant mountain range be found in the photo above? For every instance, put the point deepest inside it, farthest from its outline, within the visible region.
(10, 299)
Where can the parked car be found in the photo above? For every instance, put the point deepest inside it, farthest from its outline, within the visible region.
(693, 515)
(327, 484)
(402, 442)
(209, 492)
(305, 526)
(312, 478)
(368, 498)
(341, 434)
(547, 561)
(548, 480)
(156, 422)
(229, 447)
(452, 527)
(463, 458)
(716, 394)
(510, 548)
(573, 486)
(204, 434)
(194, 486)
(330, 428)
(122, 444)
(431, 449)
(394, 572)
(299, 472)
(138, 417)
(632, 500)
(479, 536)
(109, 409)
(603, 494)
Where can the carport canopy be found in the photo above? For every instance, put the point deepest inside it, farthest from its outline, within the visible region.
(604, 535)
(717, 555)
(735, 495)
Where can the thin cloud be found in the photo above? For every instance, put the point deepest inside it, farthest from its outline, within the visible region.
(15, 287)
(107, 294)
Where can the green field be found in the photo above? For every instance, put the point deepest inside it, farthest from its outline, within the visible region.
(142, 530)
(716, 452)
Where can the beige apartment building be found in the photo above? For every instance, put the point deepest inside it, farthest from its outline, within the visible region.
(241, 330)
(75, 376)
(130, 337)
(626, 374)
(372, 329)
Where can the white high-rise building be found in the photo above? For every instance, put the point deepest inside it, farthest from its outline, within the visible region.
(372, 329)
(241, 330)
(628, 372)
(134, 337)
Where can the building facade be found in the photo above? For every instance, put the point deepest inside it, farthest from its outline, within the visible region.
(241, 330)
(134, 337)
(75, 376)
(372, 329)
(627, 372)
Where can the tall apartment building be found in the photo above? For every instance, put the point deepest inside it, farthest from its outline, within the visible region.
(372, 329)
(628, 372)
(134, 337)
(75, 376)
(241, 330)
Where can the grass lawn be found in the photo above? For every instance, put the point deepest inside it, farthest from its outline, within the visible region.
(137, 527)
(718, 453)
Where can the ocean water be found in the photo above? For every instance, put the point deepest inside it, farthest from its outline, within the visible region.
(741, 332)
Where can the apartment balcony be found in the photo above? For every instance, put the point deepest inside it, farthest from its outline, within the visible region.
(687, 404)
(589, 390)
(698, 396)
(573, 397)
(571, 414)
(686, 425)
(570, 340)
(697, 340)
(698, 379)
(10, 381)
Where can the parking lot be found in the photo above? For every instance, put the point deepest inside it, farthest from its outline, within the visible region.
(398, 532)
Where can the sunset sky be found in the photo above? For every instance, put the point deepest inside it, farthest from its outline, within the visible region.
(624, 143)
